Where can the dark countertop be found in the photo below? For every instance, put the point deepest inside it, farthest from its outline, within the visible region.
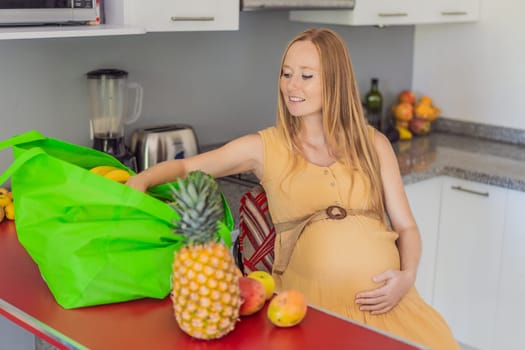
(439, 154)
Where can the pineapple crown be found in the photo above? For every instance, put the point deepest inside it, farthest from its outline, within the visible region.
(198, 202)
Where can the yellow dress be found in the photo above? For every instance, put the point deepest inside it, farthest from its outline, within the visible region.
(333, 260)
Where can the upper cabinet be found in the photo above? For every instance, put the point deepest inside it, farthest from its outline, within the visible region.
(395, 12)
(449, 11)
(131, 17)
(174, 15)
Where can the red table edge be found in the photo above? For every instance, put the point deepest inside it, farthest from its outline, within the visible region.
(38, 328)
(61, 341)
(376, 330)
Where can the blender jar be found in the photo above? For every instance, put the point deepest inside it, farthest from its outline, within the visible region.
(108, 93)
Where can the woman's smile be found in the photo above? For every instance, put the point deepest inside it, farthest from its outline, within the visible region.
(296, 99)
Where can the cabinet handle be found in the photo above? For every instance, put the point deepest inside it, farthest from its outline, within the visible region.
(459, 188)
(392, 14)
(454, 13)
(192, 18)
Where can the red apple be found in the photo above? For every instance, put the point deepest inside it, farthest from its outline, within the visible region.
(407, 96)
(253, 296)
(420, 126)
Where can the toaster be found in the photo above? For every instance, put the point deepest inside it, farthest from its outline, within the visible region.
(157, 144)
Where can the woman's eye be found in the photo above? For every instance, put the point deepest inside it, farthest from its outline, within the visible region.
(306, 77)
(286, 74)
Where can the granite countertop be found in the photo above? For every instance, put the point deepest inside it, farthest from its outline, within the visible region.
(439, 154)
(489, 162)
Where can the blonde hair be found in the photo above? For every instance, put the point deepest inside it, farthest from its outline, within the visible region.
(346, 130)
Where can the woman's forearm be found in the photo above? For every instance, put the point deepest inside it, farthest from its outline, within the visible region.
(409, 245)
(160, 173)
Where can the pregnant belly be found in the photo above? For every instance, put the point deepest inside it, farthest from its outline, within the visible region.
(342, 256)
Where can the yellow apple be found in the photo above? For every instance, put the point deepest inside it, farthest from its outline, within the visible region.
(266, 279)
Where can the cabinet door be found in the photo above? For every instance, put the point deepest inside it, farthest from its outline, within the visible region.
(468, 259)
(425, 201)
(177, 15)
(395, 12)
(370, 12)
(382, 12)
(449, 11)
(510, 319)
(14, 337)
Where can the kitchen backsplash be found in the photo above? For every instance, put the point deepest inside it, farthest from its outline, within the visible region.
(184, 75)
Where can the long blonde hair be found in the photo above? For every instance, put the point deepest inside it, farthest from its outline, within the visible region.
(344, 125)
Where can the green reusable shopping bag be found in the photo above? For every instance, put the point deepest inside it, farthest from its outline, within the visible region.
(95, 241)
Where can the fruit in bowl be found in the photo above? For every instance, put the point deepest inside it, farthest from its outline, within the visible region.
(403, 111)
(420, 126)
(407, 96)
(426, 111)
(414, 117)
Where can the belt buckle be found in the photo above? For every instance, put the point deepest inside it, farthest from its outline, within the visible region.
(336, 212)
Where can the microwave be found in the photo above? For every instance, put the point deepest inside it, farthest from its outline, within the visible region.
(41, 12)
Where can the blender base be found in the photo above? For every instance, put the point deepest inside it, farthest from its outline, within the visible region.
(115, 146)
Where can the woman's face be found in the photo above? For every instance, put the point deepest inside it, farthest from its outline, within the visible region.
(300, 81)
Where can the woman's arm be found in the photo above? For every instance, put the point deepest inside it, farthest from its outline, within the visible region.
(240, 155)
(396, 283)
(398, 207)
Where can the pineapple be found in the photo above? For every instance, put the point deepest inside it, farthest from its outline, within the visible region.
(206, 295)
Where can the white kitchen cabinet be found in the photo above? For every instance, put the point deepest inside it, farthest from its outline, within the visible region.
(14, 337)
(132, 17)
(395, 12)
(425, 201)
(175, 15)
(450, 11)
(468, 259)
(510, 319)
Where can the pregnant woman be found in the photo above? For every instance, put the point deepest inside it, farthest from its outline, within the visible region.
(346, 235)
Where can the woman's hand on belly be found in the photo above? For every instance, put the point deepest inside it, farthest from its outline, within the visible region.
(383, 299)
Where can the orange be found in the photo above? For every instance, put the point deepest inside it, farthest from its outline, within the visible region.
(403, 111)
(425, 100)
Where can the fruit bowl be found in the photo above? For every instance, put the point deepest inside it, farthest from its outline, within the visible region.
(419, 126)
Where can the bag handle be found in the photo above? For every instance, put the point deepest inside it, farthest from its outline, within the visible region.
(29, 136)
(19, 161)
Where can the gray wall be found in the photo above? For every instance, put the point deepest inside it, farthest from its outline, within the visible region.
(223, 83)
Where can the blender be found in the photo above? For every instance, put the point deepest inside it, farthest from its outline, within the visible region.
(108, 92)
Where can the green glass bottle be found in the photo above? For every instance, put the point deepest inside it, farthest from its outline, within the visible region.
(374, 105)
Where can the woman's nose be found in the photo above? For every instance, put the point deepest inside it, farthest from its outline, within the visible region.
(293, 83)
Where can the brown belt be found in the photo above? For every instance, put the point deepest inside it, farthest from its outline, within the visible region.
(289, 232)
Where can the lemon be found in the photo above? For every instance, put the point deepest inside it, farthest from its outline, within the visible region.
(102, 169)
(404, 134)
(118, 175)
(10, 211)
(5, 197)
